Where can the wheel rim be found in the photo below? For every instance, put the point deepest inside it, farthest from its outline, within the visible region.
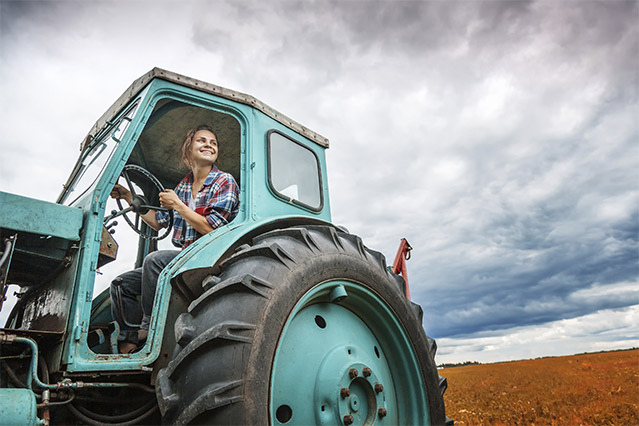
(331, 368)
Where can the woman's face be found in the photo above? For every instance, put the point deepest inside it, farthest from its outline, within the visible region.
(204, 148)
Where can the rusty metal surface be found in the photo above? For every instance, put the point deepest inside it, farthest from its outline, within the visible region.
(34, 334)
(48, 308)
(108, 248)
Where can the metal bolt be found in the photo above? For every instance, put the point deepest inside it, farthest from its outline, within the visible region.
(382, 412)
(352, 373)
(367, 372)
(378, 387)
(344, 392)
(348, 419)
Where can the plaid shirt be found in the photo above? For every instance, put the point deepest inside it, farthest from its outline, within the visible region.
(217, 200)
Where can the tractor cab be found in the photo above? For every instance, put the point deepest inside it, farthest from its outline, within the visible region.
(278, 164)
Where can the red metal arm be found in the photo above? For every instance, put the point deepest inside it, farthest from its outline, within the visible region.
(399, 265)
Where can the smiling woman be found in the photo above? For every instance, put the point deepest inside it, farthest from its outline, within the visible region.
(205, 199)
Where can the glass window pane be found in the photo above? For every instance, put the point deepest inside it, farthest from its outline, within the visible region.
(97, 156)
(294, 171)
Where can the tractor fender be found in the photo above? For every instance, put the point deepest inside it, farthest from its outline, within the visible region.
(209, 251)
(176, 289)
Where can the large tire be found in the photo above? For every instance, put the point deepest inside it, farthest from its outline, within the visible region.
(279, 335)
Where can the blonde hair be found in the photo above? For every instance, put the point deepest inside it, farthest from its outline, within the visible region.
(188, 141)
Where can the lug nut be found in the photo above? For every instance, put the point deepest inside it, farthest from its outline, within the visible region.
(344, 392)
(367, 372)
(378, 387)
(382, 412)
(352, 373)
(348, 419)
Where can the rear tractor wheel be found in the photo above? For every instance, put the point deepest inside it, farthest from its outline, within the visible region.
(305, 326)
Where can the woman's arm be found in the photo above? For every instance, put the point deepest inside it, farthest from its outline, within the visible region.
(121, 192)
(170, 200)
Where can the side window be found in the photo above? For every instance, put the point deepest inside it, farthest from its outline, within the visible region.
(294, 172)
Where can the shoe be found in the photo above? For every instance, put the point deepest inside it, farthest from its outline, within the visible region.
(127, 348)
(130, 347)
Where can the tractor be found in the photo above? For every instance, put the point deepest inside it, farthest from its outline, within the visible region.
(279, 317)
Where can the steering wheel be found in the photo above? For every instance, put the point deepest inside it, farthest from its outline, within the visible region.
(139, 202)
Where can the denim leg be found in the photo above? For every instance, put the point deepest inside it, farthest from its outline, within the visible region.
(153, 265)
(124, 291)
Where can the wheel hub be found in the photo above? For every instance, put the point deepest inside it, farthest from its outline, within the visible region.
(352, 384)
(353, 391)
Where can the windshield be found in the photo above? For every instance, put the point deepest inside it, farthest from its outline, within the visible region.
(96, 156)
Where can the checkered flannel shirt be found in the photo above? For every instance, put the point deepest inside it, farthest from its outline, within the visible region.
(217, 201)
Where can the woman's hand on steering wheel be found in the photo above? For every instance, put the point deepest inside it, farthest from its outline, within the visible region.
(121, 193)
(169, 199)
(138, 203)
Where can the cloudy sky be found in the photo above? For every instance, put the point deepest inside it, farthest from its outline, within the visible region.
(501, 138)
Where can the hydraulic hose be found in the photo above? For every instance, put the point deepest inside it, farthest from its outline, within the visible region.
(33, 372)
(58, 403)
(90, 421)
(12, 375)
(7, 250)
(3, 259)
(126, 417)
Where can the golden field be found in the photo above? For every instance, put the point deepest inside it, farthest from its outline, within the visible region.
(589, 389)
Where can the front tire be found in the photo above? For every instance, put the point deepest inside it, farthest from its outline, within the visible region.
(305, 326)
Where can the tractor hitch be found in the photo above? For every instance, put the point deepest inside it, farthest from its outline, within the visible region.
(399, 265)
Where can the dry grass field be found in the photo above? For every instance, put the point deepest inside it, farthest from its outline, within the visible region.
(590, 389)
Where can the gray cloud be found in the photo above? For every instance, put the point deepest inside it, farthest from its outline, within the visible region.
(513, 180)
(602, 330)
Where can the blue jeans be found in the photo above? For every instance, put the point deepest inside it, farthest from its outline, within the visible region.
(133, 292)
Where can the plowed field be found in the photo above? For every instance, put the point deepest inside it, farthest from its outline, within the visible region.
(590, 389)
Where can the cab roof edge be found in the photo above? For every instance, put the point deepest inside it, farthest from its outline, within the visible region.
(182, 80)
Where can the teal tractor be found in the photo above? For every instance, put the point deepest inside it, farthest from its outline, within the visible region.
(279, 317)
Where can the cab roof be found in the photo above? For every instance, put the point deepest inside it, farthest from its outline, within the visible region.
(139, 84)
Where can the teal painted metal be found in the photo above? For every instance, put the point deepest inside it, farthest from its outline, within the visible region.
(204, 253)
(258, 206)
(331, 381)
(93, 203)
(18, 407)
(83, 222)
(264, 203)
(25, 214)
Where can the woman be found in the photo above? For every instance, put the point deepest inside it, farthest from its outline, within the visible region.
(205, 199)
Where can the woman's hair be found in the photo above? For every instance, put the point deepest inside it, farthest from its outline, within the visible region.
(188, 141)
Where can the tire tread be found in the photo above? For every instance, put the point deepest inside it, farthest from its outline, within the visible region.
(218, 334)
